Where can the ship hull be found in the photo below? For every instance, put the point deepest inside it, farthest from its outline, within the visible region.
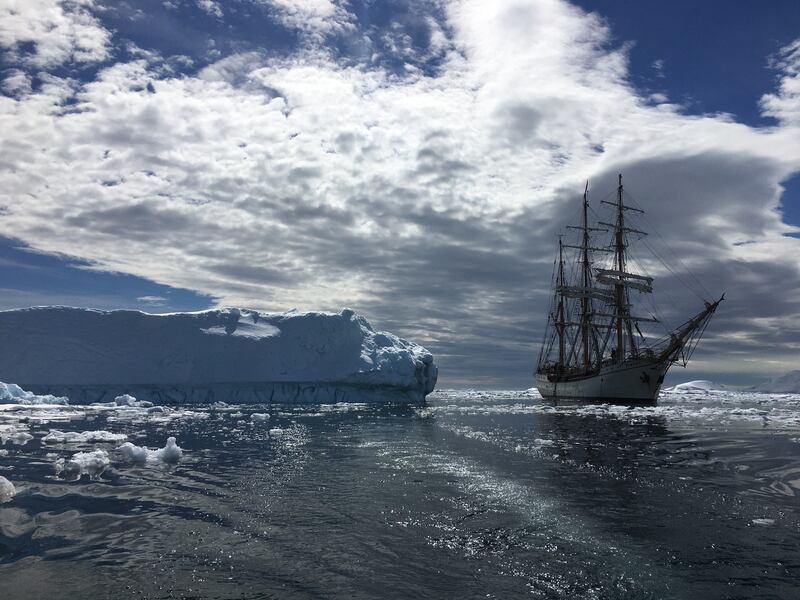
(634, 383)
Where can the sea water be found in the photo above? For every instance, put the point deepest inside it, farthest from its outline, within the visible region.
(473, 495)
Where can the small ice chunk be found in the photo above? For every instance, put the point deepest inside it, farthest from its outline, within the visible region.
(82, 437)
(84, 463)
(134, 453)
(171, 453)
(20, 438)
(125, 400)
(3, 452)
(276, 432)
(764, 522)
(7, 490)
(260, 417)
(128, 400)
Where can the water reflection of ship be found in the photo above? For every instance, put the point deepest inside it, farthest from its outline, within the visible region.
(594, 347)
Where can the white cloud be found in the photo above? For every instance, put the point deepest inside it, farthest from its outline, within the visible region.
(17, 82)
(60, 31)
(155, 300)
(784, 105)
(316, 18)
(426, 200)
(211, 7)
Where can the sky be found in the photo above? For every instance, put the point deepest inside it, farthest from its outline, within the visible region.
(412, 160)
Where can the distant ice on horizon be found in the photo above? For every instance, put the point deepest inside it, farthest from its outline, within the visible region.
(696, 386)
(11, 393)
(789, 383)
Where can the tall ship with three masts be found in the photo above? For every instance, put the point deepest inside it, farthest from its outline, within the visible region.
(594, 347)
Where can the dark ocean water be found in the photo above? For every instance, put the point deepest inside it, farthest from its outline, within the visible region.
(476, 495)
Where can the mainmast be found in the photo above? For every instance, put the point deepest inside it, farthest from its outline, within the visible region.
(561, 322)
(619, 289)
(586, 280)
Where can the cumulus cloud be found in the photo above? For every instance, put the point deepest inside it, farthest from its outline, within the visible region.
(427, 200)
(59, 31)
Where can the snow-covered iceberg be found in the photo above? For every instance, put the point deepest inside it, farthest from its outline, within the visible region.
(230, 354)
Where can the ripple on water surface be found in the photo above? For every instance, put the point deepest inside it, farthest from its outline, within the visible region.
(480, 494)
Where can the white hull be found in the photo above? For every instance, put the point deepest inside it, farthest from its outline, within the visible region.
(630, 382)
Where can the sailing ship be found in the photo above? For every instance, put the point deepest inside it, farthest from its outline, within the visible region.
(594, 348)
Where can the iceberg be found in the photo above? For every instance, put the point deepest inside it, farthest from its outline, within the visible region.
(231, 355)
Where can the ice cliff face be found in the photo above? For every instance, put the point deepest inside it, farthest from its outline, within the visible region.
(67, 350)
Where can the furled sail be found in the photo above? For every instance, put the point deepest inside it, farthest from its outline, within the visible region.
(631, 280)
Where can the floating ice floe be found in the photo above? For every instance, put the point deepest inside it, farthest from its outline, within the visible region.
(82, 437)
(170, 454)
(7, 490)
(259, 417)
(15, 434)
(11, 393)
(83, 463)
(238, 355)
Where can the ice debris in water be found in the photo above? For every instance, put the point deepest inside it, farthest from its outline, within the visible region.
(260, 416)
(84, 463)
(11, 393)
(171, 453)
(82, 437)
(764, 522)
(7, 490)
